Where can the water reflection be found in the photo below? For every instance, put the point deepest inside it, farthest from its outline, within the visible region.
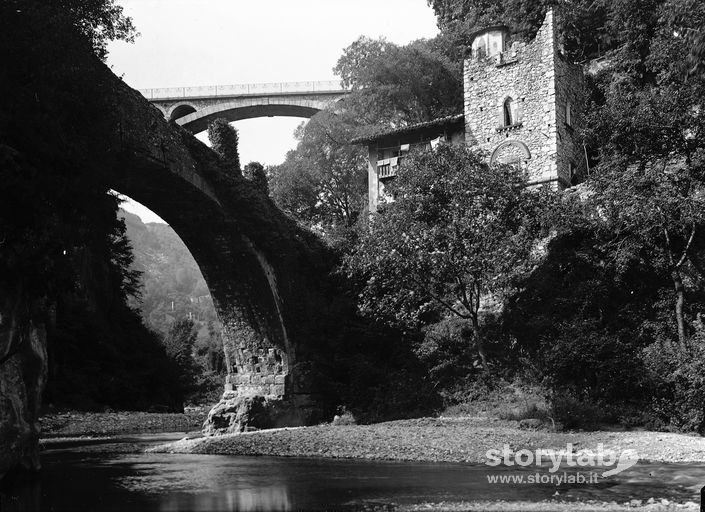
(74, 480)
(244, 500)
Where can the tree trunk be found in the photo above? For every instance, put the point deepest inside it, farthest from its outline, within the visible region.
(680, 300)
(479, 343)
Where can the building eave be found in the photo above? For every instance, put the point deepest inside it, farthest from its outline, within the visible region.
(442, 122)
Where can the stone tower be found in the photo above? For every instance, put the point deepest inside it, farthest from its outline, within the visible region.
(522, 104)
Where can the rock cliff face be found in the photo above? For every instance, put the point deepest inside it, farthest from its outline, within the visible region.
(23, 370)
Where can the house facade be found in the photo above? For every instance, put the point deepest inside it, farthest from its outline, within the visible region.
(387, 150)
(521, 106)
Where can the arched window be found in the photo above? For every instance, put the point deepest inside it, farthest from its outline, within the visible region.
(508, 111)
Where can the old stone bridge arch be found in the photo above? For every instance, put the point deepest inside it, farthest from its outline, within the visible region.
(266, 275)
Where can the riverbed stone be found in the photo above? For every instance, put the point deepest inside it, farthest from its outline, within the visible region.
(237, 413)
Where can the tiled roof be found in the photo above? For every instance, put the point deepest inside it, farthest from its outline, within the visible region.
(440, 122)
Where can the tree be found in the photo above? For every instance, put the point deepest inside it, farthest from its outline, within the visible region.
(588, 28)
(98, 21)
(323, 183)
(646, 120)
(254, 171)
(179, 346)
(398, 85)
(458, 19)
(456, 232)
(224, 141)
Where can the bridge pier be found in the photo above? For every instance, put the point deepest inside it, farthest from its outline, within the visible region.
(263, 388)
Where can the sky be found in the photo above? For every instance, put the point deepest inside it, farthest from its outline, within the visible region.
(218, 42)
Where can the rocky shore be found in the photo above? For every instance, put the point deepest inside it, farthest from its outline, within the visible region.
(546, 506)
(443, 439)
(76, 424)
(460, 440)
(463, 439)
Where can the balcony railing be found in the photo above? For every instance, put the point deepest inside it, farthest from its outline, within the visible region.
(387, 168)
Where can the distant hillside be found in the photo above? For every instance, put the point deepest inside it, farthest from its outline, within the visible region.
(173, 287)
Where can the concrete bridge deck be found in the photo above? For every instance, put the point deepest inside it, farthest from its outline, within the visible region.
(195, 107)
(235, 90)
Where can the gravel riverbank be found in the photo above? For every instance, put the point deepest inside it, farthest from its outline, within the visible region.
(436, 440)
(76, 424)
(545, 506)
(445, 439)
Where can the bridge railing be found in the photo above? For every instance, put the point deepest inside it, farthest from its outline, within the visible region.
(212, 91)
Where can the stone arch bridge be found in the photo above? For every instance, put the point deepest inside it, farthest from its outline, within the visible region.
(266, 275)
(269, 278)
(195, 107)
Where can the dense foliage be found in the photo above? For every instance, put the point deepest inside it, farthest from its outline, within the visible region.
(224, 141)
(323, 182)
(396, 85)
(458, 230)
(171, 284)
(63, 251)
(588, 28)
(173, 291)
(456, 274)
(255, 172)
(610, 321)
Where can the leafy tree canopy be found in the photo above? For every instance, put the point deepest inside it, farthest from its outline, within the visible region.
(254, 171)
(99, 21)
(398, 85)
(323, 183)
(645, 120)
(456, 233)
(588, 28)
(224, 141)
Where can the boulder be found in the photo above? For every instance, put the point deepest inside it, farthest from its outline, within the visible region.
(531, 424)
(237, 413)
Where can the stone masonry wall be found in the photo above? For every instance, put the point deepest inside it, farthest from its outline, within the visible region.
(570, 90)
(255, 365)
(540, 83)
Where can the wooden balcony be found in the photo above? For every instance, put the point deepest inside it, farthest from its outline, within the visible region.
(387, 168)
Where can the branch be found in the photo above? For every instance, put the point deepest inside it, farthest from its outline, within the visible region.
(332, 139)
(668, 238)
(439, 300)
(687, 247)
(464, 298)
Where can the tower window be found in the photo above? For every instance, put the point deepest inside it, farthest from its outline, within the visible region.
(568, 114)
(508, 110)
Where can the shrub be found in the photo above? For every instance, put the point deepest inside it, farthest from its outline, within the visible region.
(530, 410)
(573, 413)
(343, 417)
(679, 374)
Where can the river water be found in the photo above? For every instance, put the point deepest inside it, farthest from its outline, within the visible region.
(114, 475)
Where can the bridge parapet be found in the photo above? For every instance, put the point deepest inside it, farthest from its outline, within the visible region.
(256, 89)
